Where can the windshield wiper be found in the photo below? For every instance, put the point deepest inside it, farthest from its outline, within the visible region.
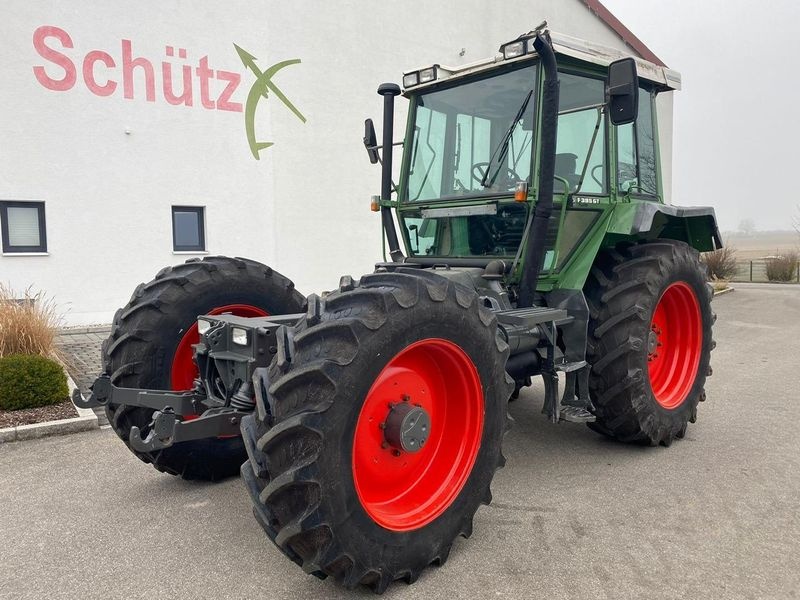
(502, 148)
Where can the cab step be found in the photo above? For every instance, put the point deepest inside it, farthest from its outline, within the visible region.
(533, 316)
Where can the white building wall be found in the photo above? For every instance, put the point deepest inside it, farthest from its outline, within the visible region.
(664, 115)
(109, 168)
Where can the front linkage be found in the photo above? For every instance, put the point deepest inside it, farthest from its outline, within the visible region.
(234, 353)
(232, 357)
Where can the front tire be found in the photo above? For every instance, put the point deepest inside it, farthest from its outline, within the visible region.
(649, 340)
(327, 487)
(150, 347)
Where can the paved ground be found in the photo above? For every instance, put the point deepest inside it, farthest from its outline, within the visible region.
(81, 349)
(717, 515)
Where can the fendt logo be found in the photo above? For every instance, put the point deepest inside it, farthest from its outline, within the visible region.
(261, 89)
(215, 89)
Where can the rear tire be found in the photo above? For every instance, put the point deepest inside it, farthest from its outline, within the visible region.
(318, 473)
(148, 332)
(649, 340)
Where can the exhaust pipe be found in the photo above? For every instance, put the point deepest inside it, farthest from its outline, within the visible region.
(535, 251)
(388, 91)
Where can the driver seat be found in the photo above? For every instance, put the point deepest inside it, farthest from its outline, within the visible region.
(566, 163)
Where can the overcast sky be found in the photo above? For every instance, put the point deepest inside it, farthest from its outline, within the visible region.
(737, 118)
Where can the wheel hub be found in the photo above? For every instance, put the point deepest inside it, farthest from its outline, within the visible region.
(652, 343)
(407, 426)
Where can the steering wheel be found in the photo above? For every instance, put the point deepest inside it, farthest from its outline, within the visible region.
(479, 170)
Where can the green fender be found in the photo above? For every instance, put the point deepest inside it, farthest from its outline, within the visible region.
(695, 225)
(636, 221)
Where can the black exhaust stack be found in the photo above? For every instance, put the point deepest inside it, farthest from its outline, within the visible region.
(389, 91)
(535, 250)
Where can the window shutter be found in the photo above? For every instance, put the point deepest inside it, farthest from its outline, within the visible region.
(23, 226)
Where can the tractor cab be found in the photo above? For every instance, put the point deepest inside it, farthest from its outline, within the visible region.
(474, 167)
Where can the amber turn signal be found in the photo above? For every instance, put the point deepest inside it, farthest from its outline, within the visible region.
(375, 203)
(521, 191)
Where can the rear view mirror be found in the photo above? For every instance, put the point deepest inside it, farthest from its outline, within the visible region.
(622, 91)
(370, 141)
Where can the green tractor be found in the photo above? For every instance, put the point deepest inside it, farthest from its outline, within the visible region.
(533, 241)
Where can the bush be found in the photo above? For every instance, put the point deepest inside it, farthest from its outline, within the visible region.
(28, 323)
(28, 381)
(783, 268)
(721, 263)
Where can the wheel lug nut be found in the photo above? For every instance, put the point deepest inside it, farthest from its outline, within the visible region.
(396, 452)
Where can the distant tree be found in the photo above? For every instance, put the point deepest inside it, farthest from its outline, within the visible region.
(747, 226)
(796, 220)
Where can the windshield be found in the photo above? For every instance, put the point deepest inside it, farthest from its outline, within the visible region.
(473, 139)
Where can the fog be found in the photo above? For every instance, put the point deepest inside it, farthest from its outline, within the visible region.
(736, 119)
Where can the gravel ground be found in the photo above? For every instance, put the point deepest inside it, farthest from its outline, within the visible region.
(12, 418)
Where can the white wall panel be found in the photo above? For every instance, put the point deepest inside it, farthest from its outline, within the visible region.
(109, 167)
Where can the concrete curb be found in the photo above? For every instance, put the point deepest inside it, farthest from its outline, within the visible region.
(85, 421)
(727, 290)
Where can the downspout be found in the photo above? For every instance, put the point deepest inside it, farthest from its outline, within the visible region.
(388, 91)
(535, 250)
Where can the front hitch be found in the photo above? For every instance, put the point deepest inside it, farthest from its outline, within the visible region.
(100, 393)
(168, 425)
(103, 392)
(165, 429)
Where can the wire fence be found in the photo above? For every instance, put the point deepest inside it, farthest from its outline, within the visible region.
(756, 271)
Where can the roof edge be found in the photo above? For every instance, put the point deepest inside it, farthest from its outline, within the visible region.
(623, 32)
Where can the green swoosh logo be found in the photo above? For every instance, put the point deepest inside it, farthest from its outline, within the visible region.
(261, 88)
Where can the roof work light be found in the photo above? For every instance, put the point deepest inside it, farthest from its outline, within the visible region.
(420, 76)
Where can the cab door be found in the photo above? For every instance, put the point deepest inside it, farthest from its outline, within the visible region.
(581, 188)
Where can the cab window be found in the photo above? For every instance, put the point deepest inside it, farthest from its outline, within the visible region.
(636, 151)
(581, 148)
(474, 139)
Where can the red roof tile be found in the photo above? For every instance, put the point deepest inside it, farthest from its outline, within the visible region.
(623, 32)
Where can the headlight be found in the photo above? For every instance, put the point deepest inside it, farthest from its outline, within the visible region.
(518, 47)
(426, 75)
(203, 326)
(513, 49)
(239, 336)
(410, 79)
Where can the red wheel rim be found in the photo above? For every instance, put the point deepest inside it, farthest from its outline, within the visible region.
(403, 490)
(184, 370)
(674, 345)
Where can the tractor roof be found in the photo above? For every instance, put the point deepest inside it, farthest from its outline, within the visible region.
(563, 45)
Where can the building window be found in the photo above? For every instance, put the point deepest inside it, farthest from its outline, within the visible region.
(23, 228)
(188, 229)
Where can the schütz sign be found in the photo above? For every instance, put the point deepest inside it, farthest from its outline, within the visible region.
(190, 84)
